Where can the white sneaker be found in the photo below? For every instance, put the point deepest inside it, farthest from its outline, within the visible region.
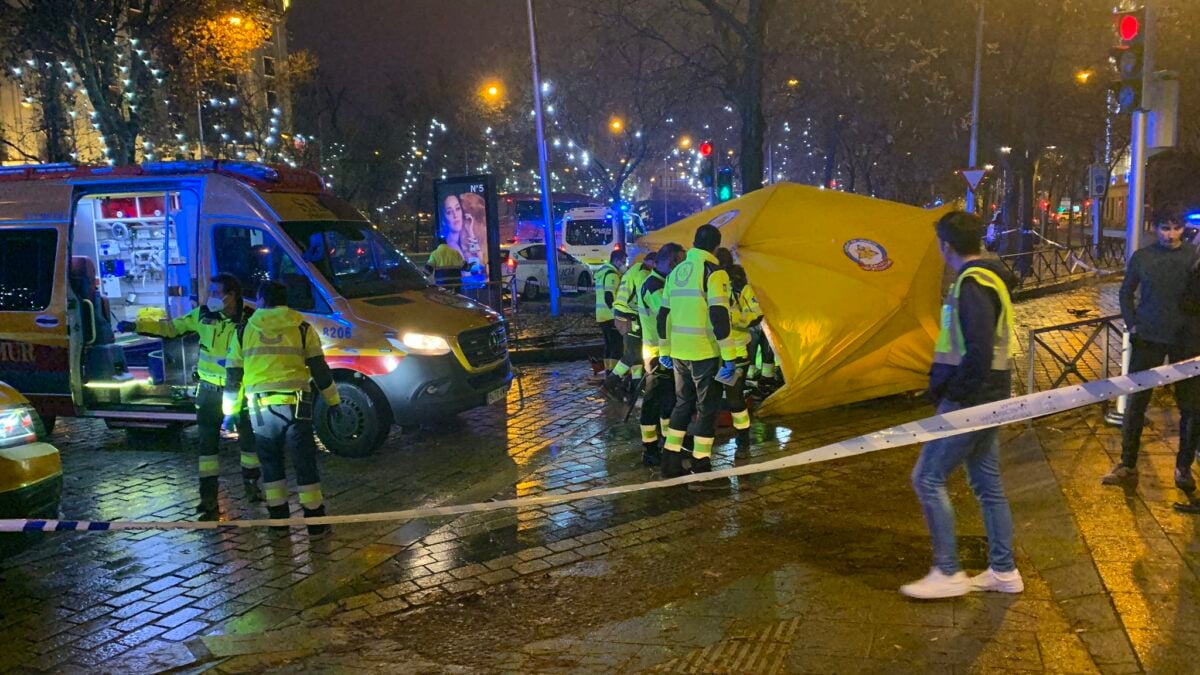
(999, 582)
(938, 585)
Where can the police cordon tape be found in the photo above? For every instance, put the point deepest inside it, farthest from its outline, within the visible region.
(998, 413)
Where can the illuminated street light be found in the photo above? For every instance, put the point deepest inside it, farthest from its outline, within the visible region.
(793, 82)
(234, 20)
(685, 142)
(492, 92)
(616, 125)
(1083, 76)
(1005, 149)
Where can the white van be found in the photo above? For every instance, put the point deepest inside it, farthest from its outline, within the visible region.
(591, 233)
(83, 248)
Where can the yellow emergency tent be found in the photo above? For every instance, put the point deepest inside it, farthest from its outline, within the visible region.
(849, 286)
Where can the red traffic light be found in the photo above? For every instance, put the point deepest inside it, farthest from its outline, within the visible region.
(706, 149)
(1128, 26)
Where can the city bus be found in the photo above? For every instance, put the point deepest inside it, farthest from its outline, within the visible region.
(83, 248)
(521, 214)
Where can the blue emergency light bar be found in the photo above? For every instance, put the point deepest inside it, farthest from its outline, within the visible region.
(251, 170)
(36, 168)
(1193, 217)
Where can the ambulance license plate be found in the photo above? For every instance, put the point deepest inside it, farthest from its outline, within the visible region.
(496, 395)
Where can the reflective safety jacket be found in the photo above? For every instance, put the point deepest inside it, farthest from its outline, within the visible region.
(951, 345)
(272, 360)
(216, 332)
(695, 285)
(625, 302)
(744, 312)
(445, 257)
(607, 279)
(649, 301)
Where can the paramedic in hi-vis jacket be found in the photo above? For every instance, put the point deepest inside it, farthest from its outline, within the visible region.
(694, 319)
(215, 323)
(270, 364)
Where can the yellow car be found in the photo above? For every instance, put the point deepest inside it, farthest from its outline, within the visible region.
(30, 469)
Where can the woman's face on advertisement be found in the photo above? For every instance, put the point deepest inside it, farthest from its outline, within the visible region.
(452, 210)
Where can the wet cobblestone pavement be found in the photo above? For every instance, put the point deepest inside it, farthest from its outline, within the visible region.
(791, 571)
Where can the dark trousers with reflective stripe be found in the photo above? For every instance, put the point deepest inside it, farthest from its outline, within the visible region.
(278, 432)
(613, 342)
(658, 399)
(759, 342)
(208, 422)
(735, 394)
(697, 392)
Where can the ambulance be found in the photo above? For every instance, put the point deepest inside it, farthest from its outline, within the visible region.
(83, 248)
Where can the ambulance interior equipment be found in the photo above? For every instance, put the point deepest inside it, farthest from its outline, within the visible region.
(132, 248)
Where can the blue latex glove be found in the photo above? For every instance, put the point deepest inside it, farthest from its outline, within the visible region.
(125, 326)
(728, 373)
(666, 362)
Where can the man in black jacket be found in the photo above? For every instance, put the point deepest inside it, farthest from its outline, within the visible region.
(1157, 275)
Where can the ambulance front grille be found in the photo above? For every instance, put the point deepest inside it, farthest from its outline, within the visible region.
(484, 345)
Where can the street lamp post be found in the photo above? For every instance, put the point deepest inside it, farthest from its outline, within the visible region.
(548, 222)
(975, 105)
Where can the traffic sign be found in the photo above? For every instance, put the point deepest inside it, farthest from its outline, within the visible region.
(973, 176)
(1097, 180)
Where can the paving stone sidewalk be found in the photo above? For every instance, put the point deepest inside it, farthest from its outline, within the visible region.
(427, 595)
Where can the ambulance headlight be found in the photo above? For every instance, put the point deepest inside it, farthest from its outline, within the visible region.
(421, 343)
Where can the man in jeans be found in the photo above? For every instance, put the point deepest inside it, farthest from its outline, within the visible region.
(972, 365)
(1158, 275)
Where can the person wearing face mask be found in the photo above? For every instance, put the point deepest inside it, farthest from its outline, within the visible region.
(215, 322)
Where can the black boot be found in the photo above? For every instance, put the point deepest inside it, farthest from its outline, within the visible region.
(702, 465)
(253, 493)
(672, 464)
(651, 456)
(612, 387)
(208, 508)
(316, 530)
(280, 512)
(743, 444)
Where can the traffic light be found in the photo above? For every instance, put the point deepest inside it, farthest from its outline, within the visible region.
(1129, 57)
(707, 167)
(724, 185)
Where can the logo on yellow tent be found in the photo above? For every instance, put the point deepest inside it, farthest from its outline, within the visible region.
(724, 218)
(867, 254)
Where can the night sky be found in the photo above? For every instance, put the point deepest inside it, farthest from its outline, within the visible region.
(369, 44)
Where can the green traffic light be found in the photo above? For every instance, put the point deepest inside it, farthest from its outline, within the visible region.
(726, 193)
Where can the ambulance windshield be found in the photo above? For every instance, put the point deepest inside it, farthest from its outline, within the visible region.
(358, 260)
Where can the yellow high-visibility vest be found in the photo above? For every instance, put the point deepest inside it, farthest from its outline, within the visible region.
(215, 330)
(272, 353)
(951, 346)
(694, 286)
(625, 301)
(607, 280)
(444, 257)
(743, 311)
(649, 301)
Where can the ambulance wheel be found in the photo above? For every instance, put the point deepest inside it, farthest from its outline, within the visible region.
(532, 289)
(363, 423)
